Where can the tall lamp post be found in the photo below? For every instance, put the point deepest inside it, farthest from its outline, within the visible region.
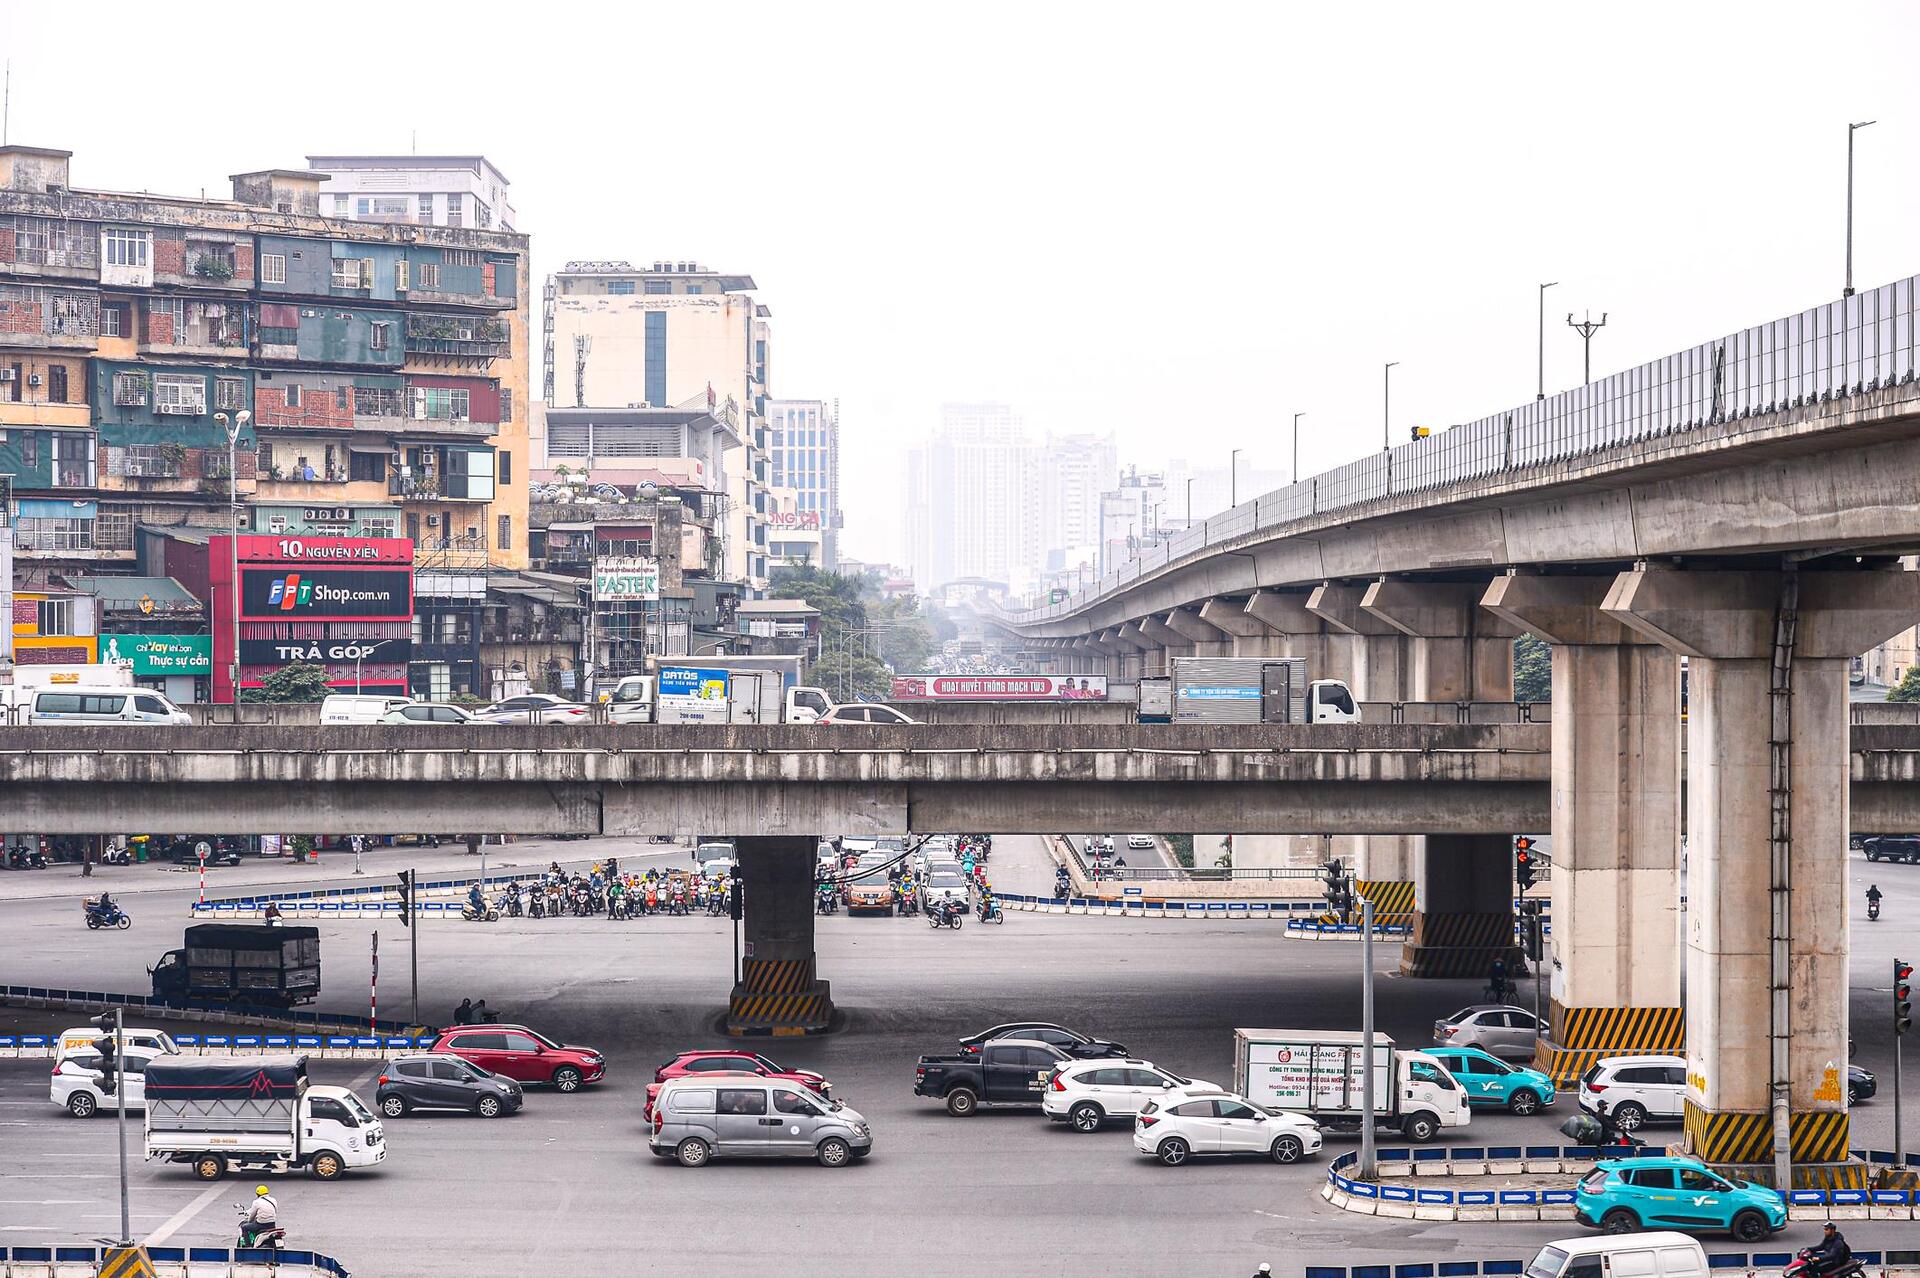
(1386, 406)
(1851, 130)
(1189, 501)
(1540, 391)
(233, 426)
(1294, 476)
(1233, 479)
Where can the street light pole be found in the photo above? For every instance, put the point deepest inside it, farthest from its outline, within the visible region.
(1233, 479)
(1541, 390)
(1851, 130)
(1386, 406)
(1189, 501)
(1294, 476)
(1587, 328)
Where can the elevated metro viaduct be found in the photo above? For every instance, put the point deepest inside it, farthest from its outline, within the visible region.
(1743, 505)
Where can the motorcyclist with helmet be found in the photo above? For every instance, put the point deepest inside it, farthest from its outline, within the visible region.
(261, 1217)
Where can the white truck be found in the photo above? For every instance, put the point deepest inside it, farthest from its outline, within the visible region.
(763, 689)
(1321, 1073)
(1252, 690)
(223, 1113)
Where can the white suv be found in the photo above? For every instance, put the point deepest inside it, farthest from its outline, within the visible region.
(1087, 1093)
(1636, 1089)
(78, 1082)
(1195, 1123)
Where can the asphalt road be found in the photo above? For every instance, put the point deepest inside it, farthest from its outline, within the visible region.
(569, 1184)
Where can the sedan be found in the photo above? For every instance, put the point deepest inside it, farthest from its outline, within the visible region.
(534, 708)
(1496, 1028)
(1072, 1042)
(428, 712)
(444, 1082)
(1186, 1126)
(1492, 1083)
(864, 714)
(1860, 1084)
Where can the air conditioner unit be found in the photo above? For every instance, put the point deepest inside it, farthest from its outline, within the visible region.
(6, 374)
(33, 379)
(433, 521)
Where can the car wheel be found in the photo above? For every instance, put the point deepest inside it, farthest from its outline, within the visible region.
(1873, 856)
(1524, 1102)
(210, 1167)
(1619, 1221)
(394, 1106)
(962, 1103)
(1750, 1226)
(82, 1105)
(1853, 1095)
(1173, 1151)
(567, 1078)
(1420, 1128)
(1085, 1117)
(487, 1107)
(692, 1152)
(835, 1152)
(1630, 1116)
(1287, 1149)
(327, 1165)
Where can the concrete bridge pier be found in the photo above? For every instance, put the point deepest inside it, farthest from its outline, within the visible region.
(1204, 639)
(779, 991)
(1767, 819)
(1616, 954)
(1133, 661)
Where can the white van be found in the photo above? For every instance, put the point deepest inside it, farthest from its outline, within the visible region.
(103, 705)
(1650, 1255)
(357, 708)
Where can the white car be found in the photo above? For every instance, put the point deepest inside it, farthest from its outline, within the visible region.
(1088, 1093)
(1191, 1125)
(78, 1081)
(1636, 1089)
(82, 1037)
(1139, 843)
(428, 712)
(864, 714)
(942, 884)
(535, 707)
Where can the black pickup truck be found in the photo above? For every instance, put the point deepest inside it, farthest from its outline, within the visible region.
(1892, 847)
(1004, 1072)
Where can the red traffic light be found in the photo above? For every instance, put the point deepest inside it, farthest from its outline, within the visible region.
(1522, 843)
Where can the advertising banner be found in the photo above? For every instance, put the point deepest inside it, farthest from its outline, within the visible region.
(626, 579)
(691, 682)
(999, 688)
(285, 652)
(156, 656)
(326, 550)
(268, 593)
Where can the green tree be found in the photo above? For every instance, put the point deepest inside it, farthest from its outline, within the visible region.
(1532, 669)
(1908, 689)
(290, 684)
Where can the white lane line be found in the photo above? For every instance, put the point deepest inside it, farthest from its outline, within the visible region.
(174, 1222)
(57, 1175)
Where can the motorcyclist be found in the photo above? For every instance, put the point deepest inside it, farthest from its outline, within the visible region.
(476, 900)
(271, 915)
(1611, 1133)
(105, 906)
(1831, 1252)
(1497, 980)
(261, 1217)
(1873, 897)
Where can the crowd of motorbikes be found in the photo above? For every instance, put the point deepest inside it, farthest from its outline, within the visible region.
(972, 851)
(603, 891)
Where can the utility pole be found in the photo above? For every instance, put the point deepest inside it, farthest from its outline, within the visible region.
(1587, 328)
(1541, 389)
(1233, 479)
(1367, 1169)
(1293, 476)
(1386, 406)
(1189, 501)
(1851, 130)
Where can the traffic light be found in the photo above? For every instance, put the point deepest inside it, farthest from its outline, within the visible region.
(1525, 867)
(1902, 996)
(406, 897)
(107, 1045)
(1532, 931)
(733, 901)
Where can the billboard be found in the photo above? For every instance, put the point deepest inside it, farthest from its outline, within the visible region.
(157, 656)
(999, 688)
(285, 652)
(325, 550)
(325, 592)
(626, 579)
(698, 683)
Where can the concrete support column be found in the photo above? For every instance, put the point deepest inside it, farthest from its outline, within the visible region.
(1463, 907)
(1166, 643)
(1459, 651)
(1615, 826)
(1766, 929)
(778, 991)
(1204, 638)
(1147, 657)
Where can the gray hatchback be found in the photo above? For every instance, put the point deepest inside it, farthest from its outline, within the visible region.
(433, 1081)
(699, 1118)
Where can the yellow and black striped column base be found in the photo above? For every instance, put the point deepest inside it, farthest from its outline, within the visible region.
(1578, 1036)
(1461, 945)
(1731, 1137)
(779, 997)
(125, 1262)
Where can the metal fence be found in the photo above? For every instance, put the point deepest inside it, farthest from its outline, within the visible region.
(1848, 347)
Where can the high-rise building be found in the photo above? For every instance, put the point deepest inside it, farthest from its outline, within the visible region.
(1130, 517)
(803, 445)
(362, 377)
(1074, 471)
(672, 335)
(973, 494)
(425, 190)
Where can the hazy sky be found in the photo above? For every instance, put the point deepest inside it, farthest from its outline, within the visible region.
(1182, 223)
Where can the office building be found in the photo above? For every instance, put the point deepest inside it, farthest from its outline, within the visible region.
(803, 445)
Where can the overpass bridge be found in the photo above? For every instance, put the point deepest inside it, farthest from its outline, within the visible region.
(1743, 505)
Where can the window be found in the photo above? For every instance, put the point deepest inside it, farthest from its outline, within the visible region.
(438, 403)
(130, 389)
(378, 401)
(488, 1042)
(367, 466)
(1234, 1109)
(506, 471)
(56, 383)
(127, 248)
(429, 274)
(1145, 1078)
(453, 210)
(377, 336)
(742, 1100)
(448, 1072)
(292, 393)
(506, 415)
(656, 358)
(149, 705)
(180, 395)
(273, 268)
(55, 616)
(229, 392)
(657, 288)
(346, 272)
(113, 319)
(506, 530)
(1697, 1181)
(621, 288)
(695, 289)
(482, 214)
(786, 1102)
(1194, 1109)
(460, 257)
(522, 1043)
(328, 1108)
(1651, 1177)
(426, 208)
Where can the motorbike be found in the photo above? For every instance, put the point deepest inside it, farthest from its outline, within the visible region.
(259, 1237)
(486, 914)
(1873, 911)
(509, 903)
(990, 911)
(946, 913)
(1801, 1266)
(716, 904)
(116, 856)
(114, 918)
(825, 901)
(536, 905)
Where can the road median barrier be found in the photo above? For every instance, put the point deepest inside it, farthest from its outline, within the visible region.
(1893, 1263)
(165, 1262)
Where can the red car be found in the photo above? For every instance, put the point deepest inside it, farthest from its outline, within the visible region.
(742, 1062)
(523, 1055)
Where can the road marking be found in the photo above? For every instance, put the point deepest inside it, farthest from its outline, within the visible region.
(174, 1222)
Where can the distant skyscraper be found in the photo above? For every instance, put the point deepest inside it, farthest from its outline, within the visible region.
(1074, 471)
(973, 496)
(804, 444)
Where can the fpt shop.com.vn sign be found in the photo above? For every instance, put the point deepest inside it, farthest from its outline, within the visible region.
(326, 592)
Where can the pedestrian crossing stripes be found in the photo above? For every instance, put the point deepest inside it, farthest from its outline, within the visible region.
(1816, 1136)
(1623, 1029)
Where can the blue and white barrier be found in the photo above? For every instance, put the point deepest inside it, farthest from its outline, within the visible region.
(357, 1047)
(1728, 1262)
(52, 999)
(170, 1262)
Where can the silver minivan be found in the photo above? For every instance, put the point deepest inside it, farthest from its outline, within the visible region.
(696, 1119)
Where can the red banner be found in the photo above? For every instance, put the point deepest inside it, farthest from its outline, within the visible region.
(999, 688)
(298, 548)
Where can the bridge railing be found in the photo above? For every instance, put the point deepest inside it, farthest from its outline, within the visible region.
(1843, 348)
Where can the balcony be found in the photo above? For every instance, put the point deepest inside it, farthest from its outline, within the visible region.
(457, 337)
(443, 428)
(49, 318)
(424, 488)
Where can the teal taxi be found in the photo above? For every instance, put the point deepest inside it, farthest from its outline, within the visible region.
(1491, 1083)
(1621, 1196)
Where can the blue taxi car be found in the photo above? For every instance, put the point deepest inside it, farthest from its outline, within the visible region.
(1620, 1196)
(1492, 1083)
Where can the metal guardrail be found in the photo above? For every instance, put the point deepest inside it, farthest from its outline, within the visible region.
(1849, 347)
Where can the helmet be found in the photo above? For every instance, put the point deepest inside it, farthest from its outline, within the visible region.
(259, 1191)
